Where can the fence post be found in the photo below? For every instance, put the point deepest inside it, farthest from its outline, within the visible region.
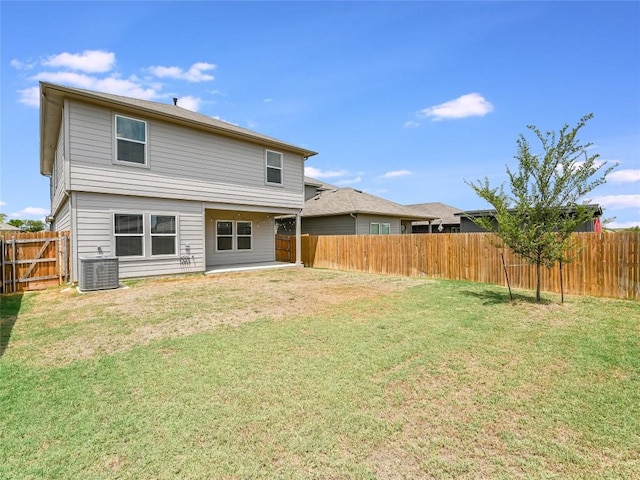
(13, 264)
(2, 258)
(59, 258)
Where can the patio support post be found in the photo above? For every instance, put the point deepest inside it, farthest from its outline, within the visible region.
(298, 239)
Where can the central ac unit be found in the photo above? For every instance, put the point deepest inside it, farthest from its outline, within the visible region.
(99, 273)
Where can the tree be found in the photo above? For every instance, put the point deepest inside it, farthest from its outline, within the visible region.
(545, 206)
(3, 217)
(27, 225)
(16, 222)
(34, 225)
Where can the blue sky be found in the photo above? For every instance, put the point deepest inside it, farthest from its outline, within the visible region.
(404, 100)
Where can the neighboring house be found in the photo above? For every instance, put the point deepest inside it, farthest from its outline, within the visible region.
(445, 222)
(346, 211)
(6, 228)
(164, 189)
(468, 226)
(312, 187)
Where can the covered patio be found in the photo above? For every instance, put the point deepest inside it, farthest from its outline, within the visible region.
(245, 267)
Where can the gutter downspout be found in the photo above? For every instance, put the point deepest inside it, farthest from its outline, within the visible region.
(298, 238)
(355, 216)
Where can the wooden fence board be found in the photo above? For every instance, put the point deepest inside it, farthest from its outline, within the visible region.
(33, 260)
(605, 264)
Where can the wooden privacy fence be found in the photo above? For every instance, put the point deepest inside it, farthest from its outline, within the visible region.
(605, 265)
(285, 248)
(32, 261)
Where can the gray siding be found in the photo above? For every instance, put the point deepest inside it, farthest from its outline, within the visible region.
(262, 242)
(94, 228)
(183, 164)
(62, 221)
(364, 222)
(467, 226)
(57, 174)
(309, 192)
(333, 225)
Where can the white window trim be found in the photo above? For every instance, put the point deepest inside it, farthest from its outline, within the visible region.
(234, 236)
(233, 230)
(380, 225)
(146, 235)
(244, 236)
(174, 235)
(116, 138)
(267, 167)
(115, 235)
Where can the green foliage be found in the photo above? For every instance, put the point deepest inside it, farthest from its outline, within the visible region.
(28, 225)
(34, 225)
(440, 380)
(16, 222)
(3, 217)
(536, 219)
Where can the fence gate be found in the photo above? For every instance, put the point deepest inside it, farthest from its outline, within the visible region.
(33, 261)
(284, 248)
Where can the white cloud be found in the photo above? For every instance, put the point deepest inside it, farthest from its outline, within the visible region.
(350, 181)
(317, 173)
(469, 105)
(411, 124)
(623, 224)
(630, 175)
(118, 86)
(194, 74)
(18, 65)
(91, 61)
(190, 103)
(82, 70)
(30, 96)
(268, 100)
(615, 202)
(2, 204)
(397, 173)
(129, 88)
(30, 212)
(69, 78)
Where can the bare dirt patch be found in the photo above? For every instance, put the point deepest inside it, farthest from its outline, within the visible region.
(61, 325)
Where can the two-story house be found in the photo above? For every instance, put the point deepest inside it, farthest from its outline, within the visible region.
(164, 189)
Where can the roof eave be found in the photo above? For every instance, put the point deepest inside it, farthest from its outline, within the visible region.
(365, 212)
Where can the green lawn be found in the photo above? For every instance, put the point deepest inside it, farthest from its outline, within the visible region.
(317, 374)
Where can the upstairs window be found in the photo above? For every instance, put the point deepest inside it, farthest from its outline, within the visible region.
(274, 168)
(131, 140)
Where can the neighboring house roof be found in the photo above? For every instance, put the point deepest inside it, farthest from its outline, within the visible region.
(343, 201)
(441, 211)
(5, 227)
(319, 184)
(52, 100)
(597, 211)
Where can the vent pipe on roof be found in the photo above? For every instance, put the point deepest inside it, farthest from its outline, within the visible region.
(175, 101)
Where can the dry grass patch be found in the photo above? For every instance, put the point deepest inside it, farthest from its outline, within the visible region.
(79, 326)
